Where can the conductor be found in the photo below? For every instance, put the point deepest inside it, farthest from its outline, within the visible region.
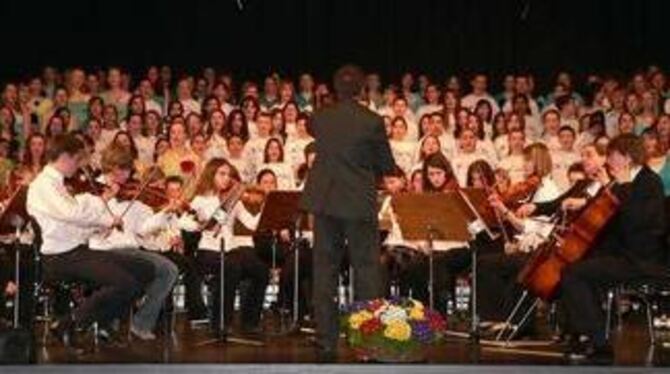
(352, 151)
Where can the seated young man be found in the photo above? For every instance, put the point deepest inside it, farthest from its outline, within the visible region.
(138, 220)
(630, 247)
(66, 224)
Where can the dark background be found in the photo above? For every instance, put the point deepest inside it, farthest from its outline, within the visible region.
(439, 37)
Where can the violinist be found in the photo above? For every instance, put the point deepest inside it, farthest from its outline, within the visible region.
(216, 208)
(450, 258)
(168, 241)
(630, 248)
(283, 256)
(139, 220)
(497, 271)
(66, 224)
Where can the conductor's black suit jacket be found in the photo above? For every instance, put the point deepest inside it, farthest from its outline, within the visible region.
(352, 151)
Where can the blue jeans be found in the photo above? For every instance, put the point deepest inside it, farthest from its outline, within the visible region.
(166, 273)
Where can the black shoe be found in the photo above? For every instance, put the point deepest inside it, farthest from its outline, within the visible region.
(585, 350)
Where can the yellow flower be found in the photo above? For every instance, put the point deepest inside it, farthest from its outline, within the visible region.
(357, 319)
(398, 330)
(418, 304)
(416, 313)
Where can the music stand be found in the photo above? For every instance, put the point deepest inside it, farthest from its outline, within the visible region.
(282, 211)
(453, 216)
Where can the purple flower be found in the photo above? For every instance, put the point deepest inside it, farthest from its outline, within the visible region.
(422, 332)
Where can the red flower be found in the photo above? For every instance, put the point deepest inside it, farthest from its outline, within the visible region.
(371, 326)
(375, 304)
(436, 321)
(187, 166)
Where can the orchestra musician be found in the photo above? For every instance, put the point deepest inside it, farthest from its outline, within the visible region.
(139, 220)
(630, 247)
(215, 189)
(66, 223)
(497, 271)
(169, 242)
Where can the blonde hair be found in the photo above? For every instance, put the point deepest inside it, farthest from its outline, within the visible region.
(539, 155)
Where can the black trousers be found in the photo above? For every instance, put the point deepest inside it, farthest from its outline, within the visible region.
(116, 280)
(580, 291)
(287, 279)
(498, 290)
(192, 282)
(241, 264)
(362, 239)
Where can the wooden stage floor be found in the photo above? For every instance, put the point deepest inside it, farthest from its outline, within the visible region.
(631, 349)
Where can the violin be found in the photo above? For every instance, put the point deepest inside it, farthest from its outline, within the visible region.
(518, 192)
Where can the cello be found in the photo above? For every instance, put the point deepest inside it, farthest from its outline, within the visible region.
(568, 244)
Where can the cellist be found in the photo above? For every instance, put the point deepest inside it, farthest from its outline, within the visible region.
(630, 248)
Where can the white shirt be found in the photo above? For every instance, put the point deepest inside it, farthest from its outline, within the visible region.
(404, 153)
(152, 104)
(284, 173)
(461, 163)
(145, 149)
(428, 109)
(138, 221)
(295, 151)
(470, 101)
(65, 221)
(190, 106)
(514, 165)
(562, 160)
(207, 207)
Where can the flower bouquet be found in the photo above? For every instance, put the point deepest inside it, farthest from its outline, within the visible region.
(395, 330)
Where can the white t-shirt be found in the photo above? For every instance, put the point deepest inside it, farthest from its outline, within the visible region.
(470, 101)
(514, 165)
(562, 160)
(404, 153)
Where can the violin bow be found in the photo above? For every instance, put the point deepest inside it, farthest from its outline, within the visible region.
(143, 187)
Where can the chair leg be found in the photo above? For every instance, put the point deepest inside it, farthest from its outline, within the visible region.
(650, 321)
(608, 319)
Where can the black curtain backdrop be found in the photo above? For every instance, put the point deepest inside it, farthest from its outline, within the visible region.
(438, 37)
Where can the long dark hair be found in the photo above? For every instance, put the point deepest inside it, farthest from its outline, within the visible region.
(244, 132)
(205, 183)
(439, 161)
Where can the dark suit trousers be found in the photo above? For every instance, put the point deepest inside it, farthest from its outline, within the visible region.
(116, 278)
(362, 240)
(580, 291)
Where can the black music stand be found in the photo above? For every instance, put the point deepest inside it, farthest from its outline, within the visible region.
(281, 210)
(454, 216)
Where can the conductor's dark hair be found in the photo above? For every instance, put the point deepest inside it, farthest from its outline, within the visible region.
(348, 82)
(64, 143)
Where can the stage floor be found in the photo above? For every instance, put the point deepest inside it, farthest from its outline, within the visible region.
(631, 349)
